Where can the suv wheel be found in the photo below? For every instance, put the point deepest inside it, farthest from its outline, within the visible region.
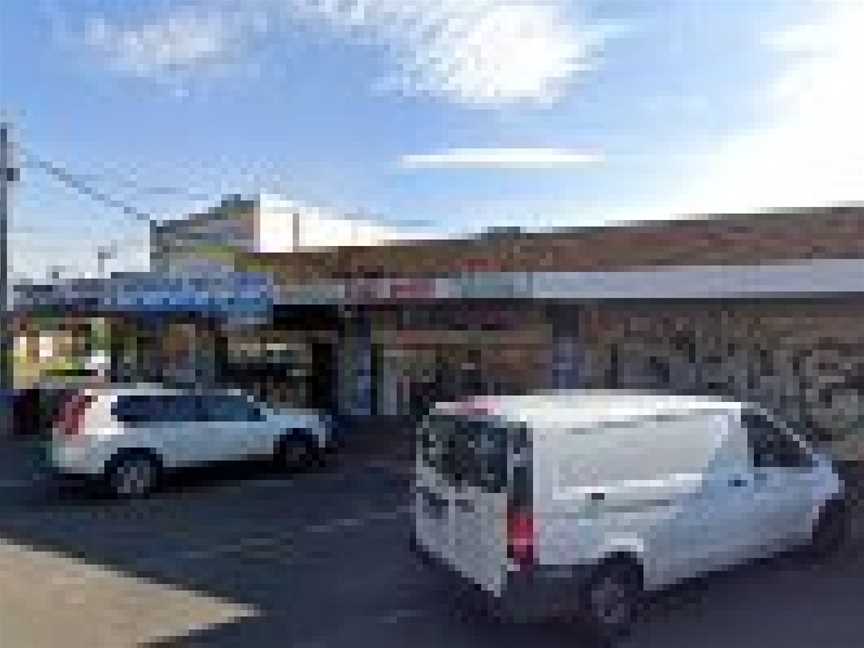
(611, 599)
(132, 475)
(830, 530)
(294, 453)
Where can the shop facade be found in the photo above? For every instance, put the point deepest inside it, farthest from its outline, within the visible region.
(790, 336)
(152, 327)
(768, 308)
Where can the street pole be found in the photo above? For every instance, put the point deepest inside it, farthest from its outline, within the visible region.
(103, 254)
(6, 378)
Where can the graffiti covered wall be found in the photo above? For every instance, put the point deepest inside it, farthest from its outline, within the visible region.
(804, 360)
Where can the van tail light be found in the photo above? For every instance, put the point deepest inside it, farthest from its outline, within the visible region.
(520, 536)
(72, 414)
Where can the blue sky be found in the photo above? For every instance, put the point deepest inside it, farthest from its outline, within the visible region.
(462, 113)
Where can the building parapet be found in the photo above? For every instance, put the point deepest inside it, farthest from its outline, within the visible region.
(813, 278)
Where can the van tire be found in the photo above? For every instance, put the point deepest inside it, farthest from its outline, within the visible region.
(611, 599)
(829, 531)
(132, 474)
(419, 554)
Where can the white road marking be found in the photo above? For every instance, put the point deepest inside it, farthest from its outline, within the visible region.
(397, 467)
(279, 540)
(346, 522)
(17, 483)
(397, 616)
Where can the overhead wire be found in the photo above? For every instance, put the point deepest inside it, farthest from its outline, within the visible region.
(81, 186)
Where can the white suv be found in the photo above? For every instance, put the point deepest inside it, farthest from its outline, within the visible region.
(128, 436)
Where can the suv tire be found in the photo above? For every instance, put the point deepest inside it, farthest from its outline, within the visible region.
(294, 453)
(132, 475)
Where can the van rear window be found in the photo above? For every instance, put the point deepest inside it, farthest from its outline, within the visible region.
(466, 451)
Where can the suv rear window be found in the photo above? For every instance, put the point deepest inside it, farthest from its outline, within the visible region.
(466, 451)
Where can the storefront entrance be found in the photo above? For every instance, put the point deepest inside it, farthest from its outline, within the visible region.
(412, 377)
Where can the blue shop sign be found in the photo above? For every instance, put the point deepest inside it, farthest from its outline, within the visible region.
(233, 294)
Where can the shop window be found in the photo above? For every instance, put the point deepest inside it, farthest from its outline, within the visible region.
(461, 319)
(612, 372)
(660, 371)
(766, 363)
(684, 343)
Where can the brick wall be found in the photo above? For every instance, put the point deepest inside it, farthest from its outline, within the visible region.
(750, 239)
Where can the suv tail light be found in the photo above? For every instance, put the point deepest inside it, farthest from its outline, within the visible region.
(72, 414)
(520, 536)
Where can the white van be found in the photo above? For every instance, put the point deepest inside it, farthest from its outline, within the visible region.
(579, 501)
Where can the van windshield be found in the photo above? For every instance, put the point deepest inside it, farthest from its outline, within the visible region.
(466, 451)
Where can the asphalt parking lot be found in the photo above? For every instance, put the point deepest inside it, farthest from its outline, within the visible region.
(243, 558)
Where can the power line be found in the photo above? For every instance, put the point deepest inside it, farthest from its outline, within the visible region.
(139, 188)
(81, 186)
(81, 183)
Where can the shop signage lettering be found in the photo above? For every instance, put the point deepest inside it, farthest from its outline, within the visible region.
(490, 285)
(393, 288)
(360, 290)
(412, 288)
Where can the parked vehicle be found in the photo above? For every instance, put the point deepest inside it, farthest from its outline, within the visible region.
(8, 408)
(37, 406)
(579, 502)
(128, 436)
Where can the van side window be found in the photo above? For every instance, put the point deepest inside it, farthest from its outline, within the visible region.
(771, 446)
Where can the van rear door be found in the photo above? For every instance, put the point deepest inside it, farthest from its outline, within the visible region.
(463, 488)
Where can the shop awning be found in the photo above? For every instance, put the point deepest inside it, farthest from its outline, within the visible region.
(229, 294)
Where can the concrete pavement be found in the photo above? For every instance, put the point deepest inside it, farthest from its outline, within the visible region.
(49, 600)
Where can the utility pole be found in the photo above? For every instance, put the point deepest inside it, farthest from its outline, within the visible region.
(295, 221)
(8, 174)
(103, 254)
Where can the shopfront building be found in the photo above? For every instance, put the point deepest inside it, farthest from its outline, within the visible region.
(763, 307)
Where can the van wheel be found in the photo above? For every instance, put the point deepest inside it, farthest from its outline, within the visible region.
(830, 530)
(294, 453)
(611, 599)
(132, 475)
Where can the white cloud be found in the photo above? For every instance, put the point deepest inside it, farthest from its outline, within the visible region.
(486, 52)
(812, 151)
(182, 41)
(542, 158)
(178, 41)
(478, 52)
